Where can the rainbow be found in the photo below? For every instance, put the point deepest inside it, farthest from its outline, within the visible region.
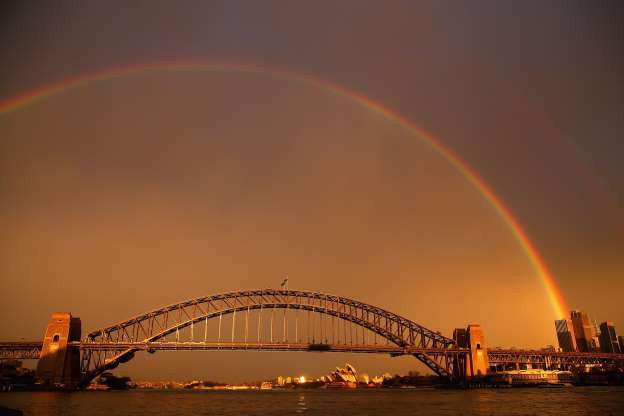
(555, 297)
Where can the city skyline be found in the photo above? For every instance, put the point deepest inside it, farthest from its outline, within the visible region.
(580, 333)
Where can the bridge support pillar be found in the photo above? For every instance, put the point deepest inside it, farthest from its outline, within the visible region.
(477, 363)
(59, 365)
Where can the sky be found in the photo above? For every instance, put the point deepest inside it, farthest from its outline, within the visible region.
(130, 193)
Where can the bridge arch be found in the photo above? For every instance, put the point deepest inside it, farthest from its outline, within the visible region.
(107, 347)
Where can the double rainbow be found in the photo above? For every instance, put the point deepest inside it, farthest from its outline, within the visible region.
(555, 297)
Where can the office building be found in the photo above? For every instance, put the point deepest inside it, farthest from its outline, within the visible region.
(608, 338)
(582, 331)
(565, 335)
(595, 341)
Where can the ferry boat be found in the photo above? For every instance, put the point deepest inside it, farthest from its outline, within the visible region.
(533, 377)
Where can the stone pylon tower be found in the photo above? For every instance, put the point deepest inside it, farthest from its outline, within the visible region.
(59, 365)
(478, 362)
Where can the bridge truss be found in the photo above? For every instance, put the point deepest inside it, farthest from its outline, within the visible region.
(552, 359)
(287, 320)
(277, 320)
(20, 350)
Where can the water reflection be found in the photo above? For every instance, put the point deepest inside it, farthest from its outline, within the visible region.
(498, 402)
(302, 406)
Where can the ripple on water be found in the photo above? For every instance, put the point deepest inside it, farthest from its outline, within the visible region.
(569, 401)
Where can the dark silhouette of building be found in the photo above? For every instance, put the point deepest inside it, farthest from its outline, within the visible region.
(608, 338)
(582, 330)
(565, 335)
(621, 342)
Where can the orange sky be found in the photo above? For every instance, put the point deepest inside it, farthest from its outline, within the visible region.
(221, 181)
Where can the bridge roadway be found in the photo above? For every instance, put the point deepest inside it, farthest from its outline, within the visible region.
(27, 349)
(20, 350)
(497, 356)
(549, 358)
(237, 346)
(273, 320)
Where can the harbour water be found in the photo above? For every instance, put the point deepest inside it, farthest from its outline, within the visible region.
(530, 401)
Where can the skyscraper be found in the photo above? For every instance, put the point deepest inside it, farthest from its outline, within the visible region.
(565, 335)
(582, 330)
(608, 338)
(595, 342)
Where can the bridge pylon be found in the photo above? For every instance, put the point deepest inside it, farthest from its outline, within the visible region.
(58, 364)
(476, 362)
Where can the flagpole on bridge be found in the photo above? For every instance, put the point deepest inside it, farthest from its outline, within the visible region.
(284, 284)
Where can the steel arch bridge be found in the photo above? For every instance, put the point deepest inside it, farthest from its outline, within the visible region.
(269, 319)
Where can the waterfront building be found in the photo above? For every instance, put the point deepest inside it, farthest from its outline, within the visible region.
(565, 335)
(378, 379)
(346, 377)
(608, 338)
(582, 330)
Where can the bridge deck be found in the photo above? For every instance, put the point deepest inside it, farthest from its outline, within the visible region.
(208, 346)
(30, 349)
(509, 356)
(20, 350)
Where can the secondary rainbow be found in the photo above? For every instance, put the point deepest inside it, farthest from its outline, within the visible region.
(555, 297)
